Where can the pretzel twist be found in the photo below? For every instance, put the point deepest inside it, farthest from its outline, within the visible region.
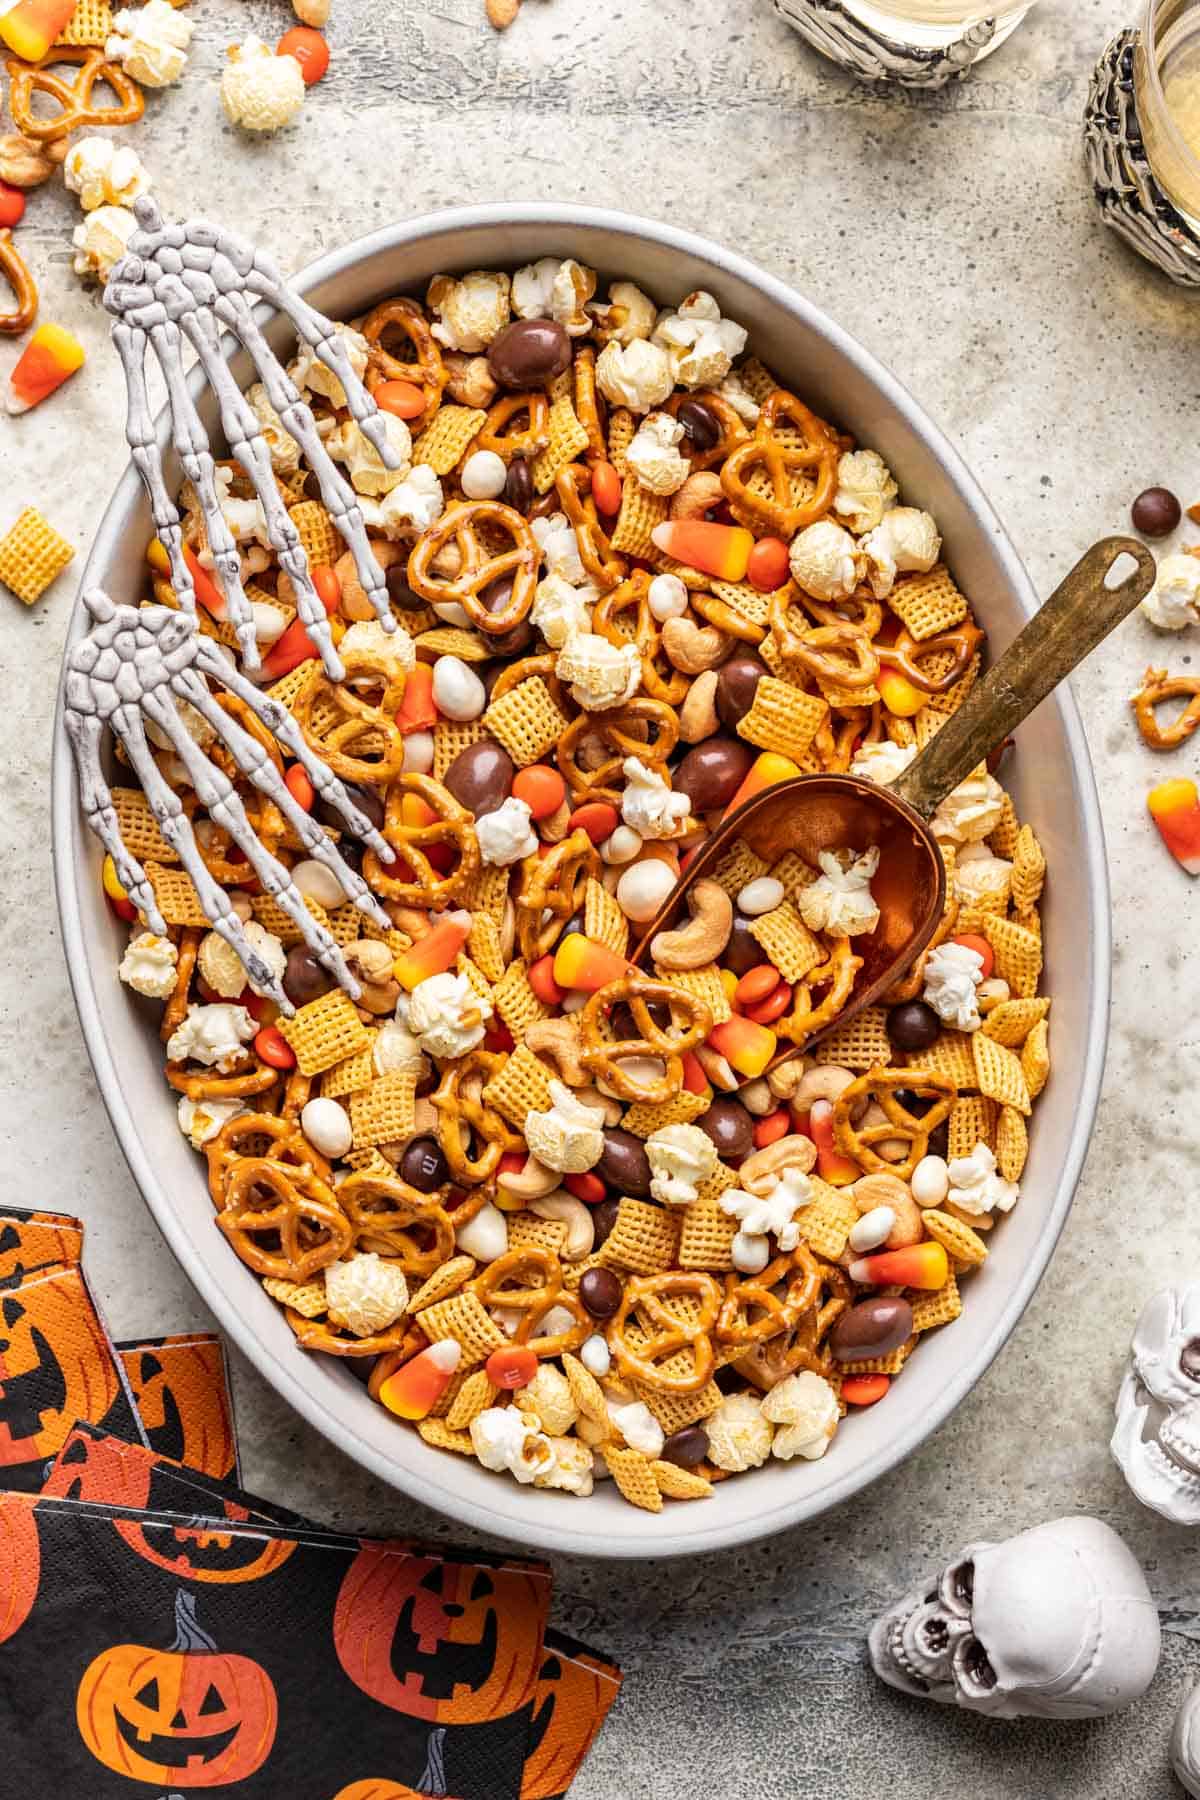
(492, 1288)
(239, 1138)
(602, 1058)
(450, 824)
(428, 372)
(596, 553)
(663, 1333)
(881, 1086)
(800, 1278)
(494, 434)
(74, 97)
(632, 595)
(394, 1219)
(368, 724)
(268, 1200)
(19, 276)
(905, 655)
(552, 889)
(734, 430)
(479, 566)
(768, 449)
(643, 727)
(330, 1339)
(1156, 687)
(463, 1113)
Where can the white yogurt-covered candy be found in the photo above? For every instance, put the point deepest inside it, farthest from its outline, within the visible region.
(327, 1127)
(458, 692)
(643, 888)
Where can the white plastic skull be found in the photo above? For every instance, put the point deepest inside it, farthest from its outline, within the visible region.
(1055, 1623)
(1157, 1435)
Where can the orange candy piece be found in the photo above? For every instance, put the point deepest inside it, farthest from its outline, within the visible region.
(415, 1388)
(747, 1047)
(597, 817)
(923, 1266)
(768, 567)
(970, 940)
(541, 980)
(31, 26)
(578, 963)
(1175, 809)
(212, 599)
(720, 550)
(512, 1367)
(299, 786)
(435, 952)
(308, 48)
(695, 1081)
(756, 984)
(271, 1047)
(541, 788)
(50, 357)
(864, 1390)
(763, 772)
(606, 488)
(403, 398)
(417, 709)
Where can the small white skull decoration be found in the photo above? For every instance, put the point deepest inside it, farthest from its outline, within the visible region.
(1157, 1436)
(1055, 1623)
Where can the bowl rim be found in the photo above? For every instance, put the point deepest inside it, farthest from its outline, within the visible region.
(542, 1530)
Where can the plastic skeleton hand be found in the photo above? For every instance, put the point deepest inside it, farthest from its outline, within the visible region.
(190, 282)
(139, 661)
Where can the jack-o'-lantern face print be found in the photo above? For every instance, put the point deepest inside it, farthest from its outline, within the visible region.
(55, 1364)
(188, 1717)
(20, 1563)
(205, 1553)
(103, 1469)
(31, 1240)
(180, 1390)
(572, 1697)
(438, 1641)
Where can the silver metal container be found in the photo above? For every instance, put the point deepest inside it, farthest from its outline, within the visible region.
(1053, 787)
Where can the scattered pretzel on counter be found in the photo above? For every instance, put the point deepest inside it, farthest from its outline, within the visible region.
(658, 1221)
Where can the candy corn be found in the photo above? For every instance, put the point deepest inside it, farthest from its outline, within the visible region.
(1175, 809)
(50, 357)
(720, 550)
(695, 1081)
(764, 772)
(899, 695)
(31, 26)
(114, 893)
(747, 1047)
(417, 1385)
(435, 952)
(417, 710)
(209, 594)
(833, 1165)
(578, 963)
(921, 1266)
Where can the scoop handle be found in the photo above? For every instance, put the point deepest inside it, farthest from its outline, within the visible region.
(1079, 614)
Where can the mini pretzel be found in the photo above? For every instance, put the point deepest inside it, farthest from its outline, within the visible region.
(800, 1278)
(175, 1011)
(905, 655)
(360, 722)
(395, 1220)
(491, 1288)
(840, 734)
(420, 884)
(663, 1333)
(770, 449)
(335, 1340)
(462, 1112)
(881, 1086)
(428, 372)
(249, 1077)
(74, 97)
(553, 884)
(726, 618)
(734, 430)
(840, 655)
(589, 407)
(17, 273)
(514, 673)
(1156, 687)
(643, 727)
(798, 1346)
(267, 1199)
(805, 1020)
(859, 608)
(602, 1058)
(534, 436)
(243, 1136)
(632, 594)
(479, 567)
(595, 550)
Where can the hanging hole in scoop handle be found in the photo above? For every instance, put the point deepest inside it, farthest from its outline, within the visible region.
(1079, 614)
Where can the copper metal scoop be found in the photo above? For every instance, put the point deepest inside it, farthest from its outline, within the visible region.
(812, 813)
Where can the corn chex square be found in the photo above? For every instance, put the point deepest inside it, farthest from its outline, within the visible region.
(999, 1073)
(445, 439)
(788, 942)
(640, 512)
(927, 604)
(782, 718)
(324, 1032)
(526, 721)
(515, 1000)
(521, 1087)
(32, 555)
(382, 1112)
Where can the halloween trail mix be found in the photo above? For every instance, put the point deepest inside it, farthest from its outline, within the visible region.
(578, 1216)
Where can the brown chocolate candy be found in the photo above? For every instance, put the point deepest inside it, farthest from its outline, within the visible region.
(481, 777)
(600, 1292)
(872, 1328)
(711, 774)
(730, 1127)
(528, 353)
(736, 685)
(624, 1166)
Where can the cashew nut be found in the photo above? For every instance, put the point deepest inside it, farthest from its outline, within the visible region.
(581, 1229)
(608, 1104)
(693, 648)
(870, 1191)
(760, 1171)
(555, 828)
(702, 941)
(827, 1082)
(425, 1117)
(785, 1080)
(698, 714)
(559, 1040)
(312, 12)
(470, 380)
(354, 603)
(698, 493)
(532, 1182)
(370, 962)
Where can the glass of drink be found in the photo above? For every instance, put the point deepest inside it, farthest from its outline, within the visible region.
(1166, 68)
(919, 43)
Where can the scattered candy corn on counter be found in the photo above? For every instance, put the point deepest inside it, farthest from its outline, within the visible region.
(573, 1219)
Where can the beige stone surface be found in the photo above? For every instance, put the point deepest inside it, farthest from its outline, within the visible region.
(955, 236)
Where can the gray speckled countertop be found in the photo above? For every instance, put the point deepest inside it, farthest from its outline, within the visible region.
(955, 236)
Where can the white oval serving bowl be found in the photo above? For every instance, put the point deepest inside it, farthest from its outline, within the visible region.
(842, 382)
